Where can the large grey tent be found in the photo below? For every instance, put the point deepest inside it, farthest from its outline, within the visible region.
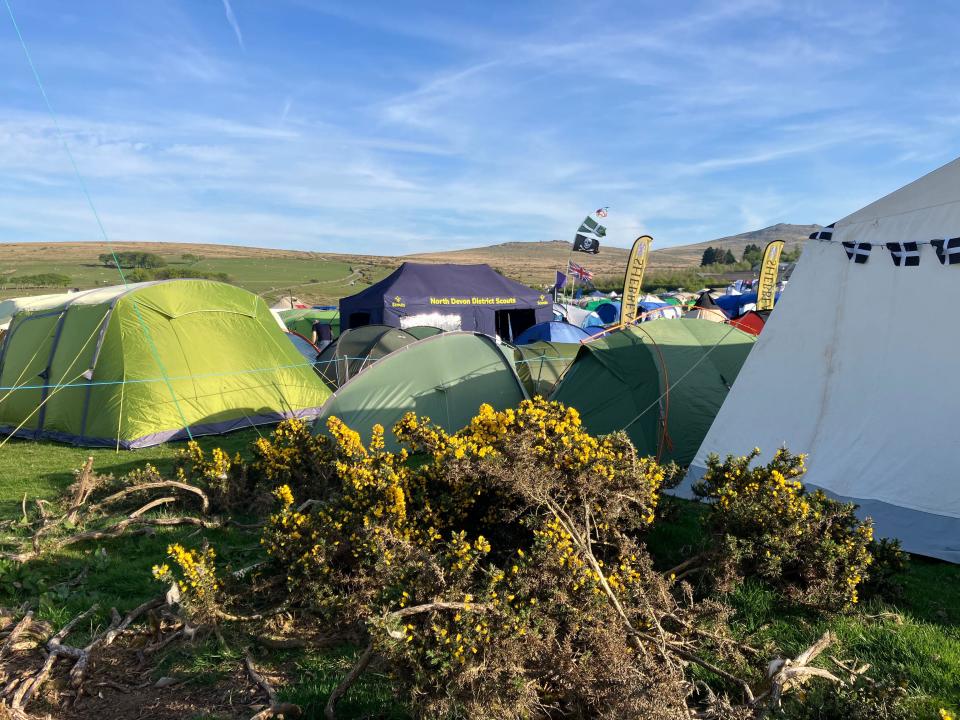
(857, 373)
(451, 297)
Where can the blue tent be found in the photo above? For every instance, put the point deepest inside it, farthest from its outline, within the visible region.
(732, 305)
(552, 332)
(470, 297)
(609, 312)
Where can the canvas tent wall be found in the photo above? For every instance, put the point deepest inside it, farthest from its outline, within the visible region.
(445, 377)
(134, 366)
(663, 382)
(849, 373)
(452, 297)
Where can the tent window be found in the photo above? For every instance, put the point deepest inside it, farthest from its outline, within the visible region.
(510, 323)
(358, 319)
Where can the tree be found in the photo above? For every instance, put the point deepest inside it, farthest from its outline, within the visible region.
(729, 258)
(709, 257)
(752, 254)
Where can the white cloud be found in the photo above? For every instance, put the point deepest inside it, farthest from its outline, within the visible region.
(232, 19)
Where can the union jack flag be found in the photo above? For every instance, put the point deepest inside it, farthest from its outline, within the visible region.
(580, 272)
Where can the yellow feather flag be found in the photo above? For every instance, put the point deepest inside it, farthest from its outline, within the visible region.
(767, 286)
(633, 279)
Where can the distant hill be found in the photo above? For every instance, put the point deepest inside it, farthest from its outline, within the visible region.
(322, 277)
(535, 262)
(690, 255)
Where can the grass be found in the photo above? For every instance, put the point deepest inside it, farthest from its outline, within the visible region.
(915, 639)
(274, 277)
(114, 572)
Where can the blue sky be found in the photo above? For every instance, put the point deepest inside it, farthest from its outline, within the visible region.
(396, 127)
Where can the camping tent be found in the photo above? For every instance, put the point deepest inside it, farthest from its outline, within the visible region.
(541, 364)
(751, 321)
(581, 317)
(138, 365)
(608, 311)
(553, 332)
(423, 331)
(706, 309)
(452, 297)
(848, 372)
(356, 349)
(445, 377)
(661, 381)
(735, 305)
(302, 320)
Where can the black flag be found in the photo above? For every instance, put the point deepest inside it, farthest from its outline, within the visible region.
(586, 244)
(824, 233)
(948, 251)
(858, 252)
(904, 254)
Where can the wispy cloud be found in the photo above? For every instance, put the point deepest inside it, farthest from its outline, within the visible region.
(232, 19)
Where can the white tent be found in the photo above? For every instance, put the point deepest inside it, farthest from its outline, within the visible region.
(851, 370)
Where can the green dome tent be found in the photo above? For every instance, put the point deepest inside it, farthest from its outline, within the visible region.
(355, 349)
(301, 320)
(446, 377)
(423, 331)
(541, 364)
(135, 366)
(663, 382)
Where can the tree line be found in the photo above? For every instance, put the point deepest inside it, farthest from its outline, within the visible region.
(132, 260)
(752, 255)
(38, 280)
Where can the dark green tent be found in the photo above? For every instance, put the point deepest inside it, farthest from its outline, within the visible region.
(423, 331)
(663, 382)
(355, 349)
(446, 377)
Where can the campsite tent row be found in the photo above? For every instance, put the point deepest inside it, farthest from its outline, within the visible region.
(662, 382)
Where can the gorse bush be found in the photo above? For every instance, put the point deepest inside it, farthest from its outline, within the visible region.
(767, 525)
(466, 568)
(501, 571)
(195, 577)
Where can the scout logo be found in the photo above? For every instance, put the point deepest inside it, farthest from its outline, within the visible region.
(398, 302)
(542, 300)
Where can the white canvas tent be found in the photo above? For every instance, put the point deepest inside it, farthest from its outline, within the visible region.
(850, 370)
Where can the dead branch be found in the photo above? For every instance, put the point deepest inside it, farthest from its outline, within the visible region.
(17, 631)
(276, 709)
(786, 674)
(165, 484)
(223, 615)
(855, 673)
(151, 505)
(85, 484)
(672, 572)
(143, 525)
(330, 712)
(357, 670)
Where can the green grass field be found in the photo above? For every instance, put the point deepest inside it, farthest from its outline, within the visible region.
(915, 640)
(274, 276)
